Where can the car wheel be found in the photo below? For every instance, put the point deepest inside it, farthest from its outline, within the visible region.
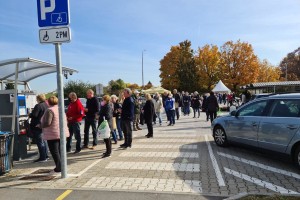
(220, 136)
(297, 157)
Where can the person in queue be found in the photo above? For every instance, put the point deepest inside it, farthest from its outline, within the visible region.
(74, 116)
(36, 115)
(92, 108)
(127, 116)
(106, 113)
(148, 115)
(51, 131)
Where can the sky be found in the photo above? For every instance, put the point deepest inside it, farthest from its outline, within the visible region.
(109, 36)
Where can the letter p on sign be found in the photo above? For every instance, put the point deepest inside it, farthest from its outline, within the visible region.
(46, 8)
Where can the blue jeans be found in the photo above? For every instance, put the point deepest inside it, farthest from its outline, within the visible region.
(74, 129)
(118, 121)
(186, 109)
(158, 114)
(42, 146)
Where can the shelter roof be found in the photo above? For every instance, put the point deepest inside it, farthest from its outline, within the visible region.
(271, 84)
(28, 69)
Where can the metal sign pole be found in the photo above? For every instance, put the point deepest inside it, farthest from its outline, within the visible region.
(61, 106)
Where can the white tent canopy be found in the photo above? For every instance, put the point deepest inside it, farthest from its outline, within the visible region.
(220, 87)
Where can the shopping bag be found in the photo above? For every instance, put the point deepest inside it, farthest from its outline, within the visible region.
(104, 130)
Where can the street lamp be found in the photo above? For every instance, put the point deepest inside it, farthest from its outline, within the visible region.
(143, 68)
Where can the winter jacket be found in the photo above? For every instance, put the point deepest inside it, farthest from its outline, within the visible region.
(148, 111)
(137, 104)
(117, 113)
(158, 104)
(212, 104)
(76, 111)
(92, 105)
(170, 104)
(50, 124)
(36, 115)
(186, 100)
(127, 109)
(196, 101)
(106, 112)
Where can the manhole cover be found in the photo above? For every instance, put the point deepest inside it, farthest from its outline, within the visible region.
(42, 171)
(37, 178)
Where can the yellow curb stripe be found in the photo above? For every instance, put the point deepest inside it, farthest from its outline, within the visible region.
(64, 195)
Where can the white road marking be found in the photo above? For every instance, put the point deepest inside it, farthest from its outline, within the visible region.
(160, 154)
(164, 146)
(153, 140)
(262, 166)
(215, 164)
(184, 167)
(259, 182)
(145, 184)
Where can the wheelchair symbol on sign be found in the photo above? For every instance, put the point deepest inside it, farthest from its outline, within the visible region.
(59, 18)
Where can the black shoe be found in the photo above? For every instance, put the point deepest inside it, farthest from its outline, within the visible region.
(106, 155)
(127, 146)
(121, 139)
(77, 151)
(169, 124)
(149, 136)
(116, 142)
(85, 147)
(123, 145)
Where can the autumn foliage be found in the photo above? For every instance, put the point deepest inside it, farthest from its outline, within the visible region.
(235, 63)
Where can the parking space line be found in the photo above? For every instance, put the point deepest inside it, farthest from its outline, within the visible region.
(64, 195)
(215, 163)
(259, 165)
(259, 182)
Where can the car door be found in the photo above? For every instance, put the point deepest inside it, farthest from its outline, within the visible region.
(280, 125)
(243, 128)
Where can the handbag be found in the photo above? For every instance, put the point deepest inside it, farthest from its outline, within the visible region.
(104, 130)
(114, 123)
(27, 127)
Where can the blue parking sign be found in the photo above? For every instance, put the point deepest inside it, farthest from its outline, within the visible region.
(53, 13)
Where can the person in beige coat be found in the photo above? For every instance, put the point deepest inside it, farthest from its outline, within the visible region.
(158, 105)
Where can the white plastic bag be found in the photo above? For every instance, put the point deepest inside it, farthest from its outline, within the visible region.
(104, 130)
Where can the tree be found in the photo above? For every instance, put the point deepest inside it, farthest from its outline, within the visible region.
(267, 72)
(186, 70)
(207, 65)
(239, 64)
(9, 86)
(116, 86)
(79, 87)
(168, 66)
(133, 86)
(290, 66)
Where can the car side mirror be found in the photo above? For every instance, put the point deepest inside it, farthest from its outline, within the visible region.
(233, 113)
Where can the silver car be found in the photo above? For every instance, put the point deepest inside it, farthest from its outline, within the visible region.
(270, 123)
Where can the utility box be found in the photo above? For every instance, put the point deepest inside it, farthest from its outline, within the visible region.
(24, 104)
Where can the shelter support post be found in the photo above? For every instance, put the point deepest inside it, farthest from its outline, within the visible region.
(62, 122)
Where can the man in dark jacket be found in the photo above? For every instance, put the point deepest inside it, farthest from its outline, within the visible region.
(212, 106)
(127, 117)
(148, 115)
(92, 108)
(36, 115)
(177, 103)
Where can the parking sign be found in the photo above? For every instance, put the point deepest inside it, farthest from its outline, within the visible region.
(53, 13)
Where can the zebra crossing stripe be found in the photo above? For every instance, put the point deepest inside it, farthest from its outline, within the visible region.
(164, 146)
(160, 154)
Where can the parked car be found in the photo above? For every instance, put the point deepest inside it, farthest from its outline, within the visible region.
(257, 96)
(270, 123)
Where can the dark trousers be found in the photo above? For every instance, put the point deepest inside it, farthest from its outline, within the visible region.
(171, 114)
(177, 113)
(108, 145)
(42, 146)
(54, 147)
(195, 111)
(212, 115)
(74, 129)
(150, 129)
(87, 124)
(127, 130)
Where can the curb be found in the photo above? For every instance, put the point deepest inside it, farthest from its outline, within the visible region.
(245, 194)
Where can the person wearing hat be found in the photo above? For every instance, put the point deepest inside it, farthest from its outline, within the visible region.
(137, 110)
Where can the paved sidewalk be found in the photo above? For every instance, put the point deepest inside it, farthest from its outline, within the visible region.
(180, 159)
